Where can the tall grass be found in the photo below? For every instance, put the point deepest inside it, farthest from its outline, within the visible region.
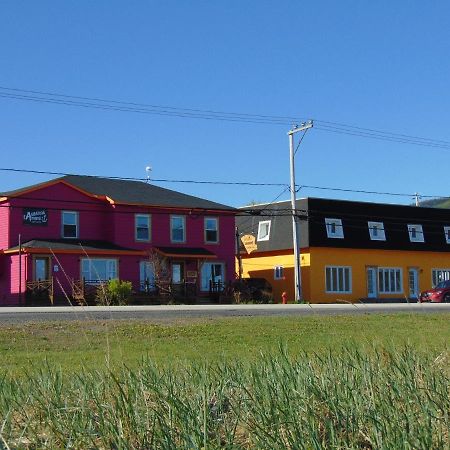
(349, 400)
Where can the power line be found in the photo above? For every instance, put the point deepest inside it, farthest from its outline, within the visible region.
(269, 204)
(226, 183)
(381, 137)
(67, 174)
(164, 110)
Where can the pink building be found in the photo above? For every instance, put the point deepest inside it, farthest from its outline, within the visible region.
(74, 231)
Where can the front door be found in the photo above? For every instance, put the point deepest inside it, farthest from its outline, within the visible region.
(372, 285)
(41, 269)
(413, 283)
(177, 272)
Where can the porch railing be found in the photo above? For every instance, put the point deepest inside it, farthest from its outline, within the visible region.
(185, 289)
(85, 290)
(39, 291)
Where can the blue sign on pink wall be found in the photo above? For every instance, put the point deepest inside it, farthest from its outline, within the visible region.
(35, 216)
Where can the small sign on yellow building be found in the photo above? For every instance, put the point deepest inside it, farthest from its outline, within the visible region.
(249, 242)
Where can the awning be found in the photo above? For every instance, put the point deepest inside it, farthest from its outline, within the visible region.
(74, 246)
(186, 252)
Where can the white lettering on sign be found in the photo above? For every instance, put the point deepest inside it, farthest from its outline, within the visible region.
(35, 216)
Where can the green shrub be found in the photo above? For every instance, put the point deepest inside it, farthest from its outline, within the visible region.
(114, 293)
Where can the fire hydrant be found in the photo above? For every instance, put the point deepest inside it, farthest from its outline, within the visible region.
(284, 298)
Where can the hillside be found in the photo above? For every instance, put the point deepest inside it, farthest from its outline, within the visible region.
(436, 203)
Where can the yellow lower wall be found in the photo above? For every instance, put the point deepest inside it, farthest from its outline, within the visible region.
(263, 267)
(314, 261)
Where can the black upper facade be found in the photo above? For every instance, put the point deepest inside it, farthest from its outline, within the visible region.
(350, 224)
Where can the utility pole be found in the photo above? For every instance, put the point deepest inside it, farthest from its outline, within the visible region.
(417, 198)
(295, 227)
(238, 253)
(20, 269)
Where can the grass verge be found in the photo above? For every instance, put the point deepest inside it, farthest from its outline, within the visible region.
(92, 344)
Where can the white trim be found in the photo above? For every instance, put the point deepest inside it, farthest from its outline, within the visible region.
(148, 217)
(447, 234)
(381, 289)
(415, 272)
(334, 228)
(267, 236)
(446, 270)
(208, 229)
(184, 229)
(77, 222)
(376, 231)
(146, 267)
(91, 260)
(278, 273)
(372, 271)
(339, 291)
(418, 231)
(204, 282)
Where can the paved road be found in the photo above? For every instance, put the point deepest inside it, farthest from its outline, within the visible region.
(176, 312)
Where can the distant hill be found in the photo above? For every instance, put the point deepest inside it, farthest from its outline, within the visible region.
(436, 203)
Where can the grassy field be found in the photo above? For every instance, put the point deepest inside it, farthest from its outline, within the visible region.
(342, 382)
(72, 345)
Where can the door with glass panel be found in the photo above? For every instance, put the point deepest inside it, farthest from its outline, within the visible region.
(413, 283)
(41, 269)
(372, 285)
(147, 276)
(177, 272)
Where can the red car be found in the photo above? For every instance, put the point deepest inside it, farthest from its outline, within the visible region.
(440, 294)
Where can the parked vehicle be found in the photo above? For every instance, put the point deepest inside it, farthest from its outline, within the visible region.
(440, 294)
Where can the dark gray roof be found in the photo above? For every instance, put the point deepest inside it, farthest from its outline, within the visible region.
(71, 244)
(280, 224)
(192, 251)
(132, 192)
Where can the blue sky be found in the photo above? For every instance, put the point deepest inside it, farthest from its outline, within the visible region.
(381, 65)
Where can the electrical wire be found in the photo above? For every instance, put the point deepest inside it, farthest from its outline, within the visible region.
(227, 183)
(208, 114)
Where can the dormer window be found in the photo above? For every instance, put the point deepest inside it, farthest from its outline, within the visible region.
(334, 228)
(376, 231)
(447, 234)
(264, 230)
(416, 233)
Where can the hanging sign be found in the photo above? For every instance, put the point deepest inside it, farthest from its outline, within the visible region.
(35, 216)
(249, 243)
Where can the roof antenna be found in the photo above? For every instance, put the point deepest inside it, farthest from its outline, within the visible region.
(148, 169)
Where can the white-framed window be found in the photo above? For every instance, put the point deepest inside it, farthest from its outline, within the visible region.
(416, 233)
(390, 280)
(264, 230)
(447, 234)
(146, 276)
(142, 227)
(211, 230)
(278, 273)
(211, 272)
(438, 275)
(338, 279)
(69, 224)
(334, 228)
(376, 231)
(95, 270)
(177, 228)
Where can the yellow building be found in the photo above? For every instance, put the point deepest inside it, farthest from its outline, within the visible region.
(350, 251)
